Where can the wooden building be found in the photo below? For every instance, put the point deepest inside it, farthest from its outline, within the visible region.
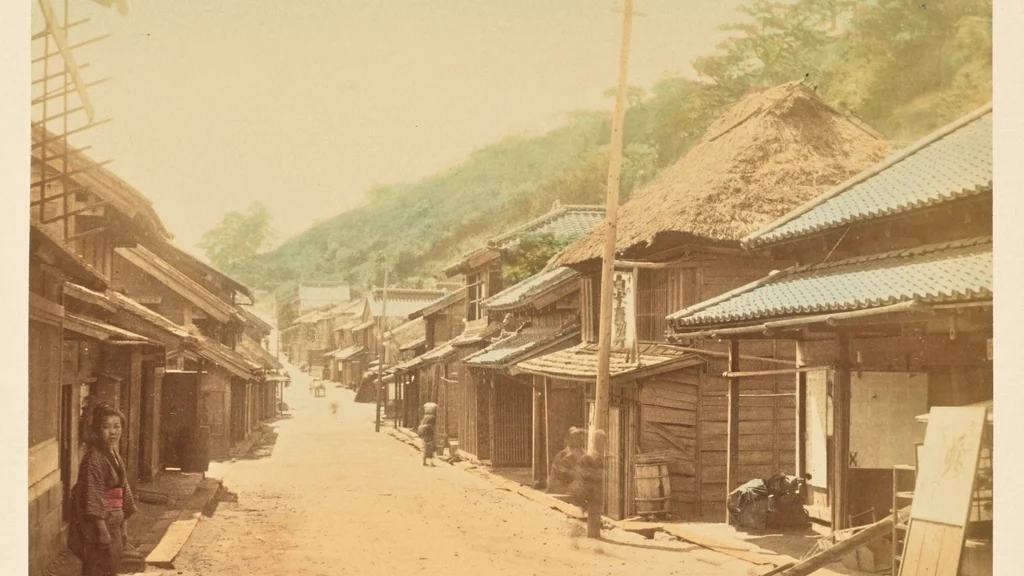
(52, 408)
(443, 321)
(888, 312)
(503, 416)
(483, 278)
(214, 392)
(677, 243)
(79, 214)
(300, 299)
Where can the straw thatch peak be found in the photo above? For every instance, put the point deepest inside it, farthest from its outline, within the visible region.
(764, 155)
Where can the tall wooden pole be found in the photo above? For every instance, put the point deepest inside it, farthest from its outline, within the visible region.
(380, 345)
(594, 508)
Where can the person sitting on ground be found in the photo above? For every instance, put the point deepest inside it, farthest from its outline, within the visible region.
(426, 432)
(102, 500)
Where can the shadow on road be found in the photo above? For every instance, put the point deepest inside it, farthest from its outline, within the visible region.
(265, 447)
(223, 495)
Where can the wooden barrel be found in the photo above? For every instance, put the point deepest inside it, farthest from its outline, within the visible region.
(653, 493)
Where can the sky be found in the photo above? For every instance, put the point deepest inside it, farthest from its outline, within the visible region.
(305, 105)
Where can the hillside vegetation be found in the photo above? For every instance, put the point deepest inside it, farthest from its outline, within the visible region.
(904, 68)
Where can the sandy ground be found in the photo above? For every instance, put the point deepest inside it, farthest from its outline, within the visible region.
(333, 497)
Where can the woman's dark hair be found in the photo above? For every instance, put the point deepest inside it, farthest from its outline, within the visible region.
(100, 413)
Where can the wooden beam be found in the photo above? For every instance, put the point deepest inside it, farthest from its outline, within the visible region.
(656, 265)
(782, 372)
(733, 453)
(801, 410)
(781, 361)
(841, 432)
(833, 554)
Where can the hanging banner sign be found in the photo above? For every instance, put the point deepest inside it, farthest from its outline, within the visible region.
(623, 312)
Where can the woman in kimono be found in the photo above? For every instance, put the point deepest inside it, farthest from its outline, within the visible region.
(103, 500)
(426, 432)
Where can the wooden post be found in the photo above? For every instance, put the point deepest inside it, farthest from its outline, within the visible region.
(603, 384)
(733, 455)
(841, 432)
(380, 346)
(547, 429)
(801, 410)
(538, 455)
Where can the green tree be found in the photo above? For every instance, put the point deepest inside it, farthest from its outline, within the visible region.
(238, 237)
(529, 256)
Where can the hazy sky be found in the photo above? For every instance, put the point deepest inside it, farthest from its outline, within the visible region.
(305, 105)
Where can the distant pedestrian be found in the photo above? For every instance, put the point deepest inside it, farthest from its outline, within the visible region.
(102, 499)
(426, 432)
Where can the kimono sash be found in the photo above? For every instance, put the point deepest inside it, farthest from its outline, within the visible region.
(114, 498)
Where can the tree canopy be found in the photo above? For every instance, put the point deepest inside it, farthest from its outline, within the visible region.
(238, 237)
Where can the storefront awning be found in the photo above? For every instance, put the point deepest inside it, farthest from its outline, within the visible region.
(580, 363)
(104, 332)
(518, 347)
(346, 353)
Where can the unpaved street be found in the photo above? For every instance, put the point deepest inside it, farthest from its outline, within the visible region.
(334, 497)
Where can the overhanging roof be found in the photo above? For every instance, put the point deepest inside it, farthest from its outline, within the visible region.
(227, 358)
(897, 281)
(580, 363)
(132, 307)
(70, 263)
(181, 284)
(347, 353)
(538, 290)
(518, 347)
(104, 332)
(953, 162)
(440, 304)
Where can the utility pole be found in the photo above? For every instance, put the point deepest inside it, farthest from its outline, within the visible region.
(594, 508)
(380, 344)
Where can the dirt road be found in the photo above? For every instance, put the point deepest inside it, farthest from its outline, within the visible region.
(334, 497)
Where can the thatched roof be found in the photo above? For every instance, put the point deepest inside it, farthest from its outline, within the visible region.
(764, 156)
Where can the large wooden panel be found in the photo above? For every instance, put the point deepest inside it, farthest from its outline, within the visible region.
(818, 428)
(882, 410)
(943, 492)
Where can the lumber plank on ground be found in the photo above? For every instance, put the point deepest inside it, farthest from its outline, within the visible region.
(733, 548)
(172, 542)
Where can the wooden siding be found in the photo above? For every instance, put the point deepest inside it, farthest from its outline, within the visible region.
(512, 414)
(669, 416)
(767, 432)
(469, 439)
(590, 301)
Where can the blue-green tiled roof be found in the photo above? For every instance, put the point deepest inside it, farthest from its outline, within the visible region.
(949, 272)
(952, 163)
(518, 346)
(524, 291)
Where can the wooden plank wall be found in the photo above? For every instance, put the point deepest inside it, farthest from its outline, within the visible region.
(590, 296)
(513, 423)
(659, 293)
(469, 438)
(767, 432)
(668, 411)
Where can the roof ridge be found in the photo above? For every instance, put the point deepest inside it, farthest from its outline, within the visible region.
(751, 239)
(769, 105)
(899, 253)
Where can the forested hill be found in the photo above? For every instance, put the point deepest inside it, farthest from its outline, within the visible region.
(904, 68)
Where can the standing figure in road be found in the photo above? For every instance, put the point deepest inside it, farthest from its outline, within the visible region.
(426, 432)
(102, 500)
